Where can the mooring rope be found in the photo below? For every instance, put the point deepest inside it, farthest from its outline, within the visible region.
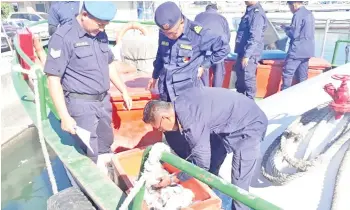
(300, 133)
(31, 74)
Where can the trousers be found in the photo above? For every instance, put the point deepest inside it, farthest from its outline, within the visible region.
(95, 117)
(246, 76)
(294, 68)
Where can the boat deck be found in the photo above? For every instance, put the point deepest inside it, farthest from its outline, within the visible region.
(314, 190)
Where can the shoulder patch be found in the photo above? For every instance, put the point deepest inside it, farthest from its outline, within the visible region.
(55, 53)
(197, 29)
(256, 10)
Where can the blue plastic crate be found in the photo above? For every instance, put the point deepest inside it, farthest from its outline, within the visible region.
(266, 55)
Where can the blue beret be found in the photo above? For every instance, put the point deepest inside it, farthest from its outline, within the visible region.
(102, 10)
(167, 15)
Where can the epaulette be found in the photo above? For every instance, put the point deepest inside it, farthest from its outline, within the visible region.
(196, 28)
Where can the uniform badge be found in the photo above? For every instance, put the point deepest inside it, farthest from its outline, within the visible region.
(186, 59)
(256, 10)
(166, 26)
(81, 44)
(198, 29)
(164, 43)
(55, 53)
(186, 47)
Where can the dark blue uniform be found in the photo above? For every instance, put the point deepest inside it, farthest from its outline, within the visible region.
(82, 62)
(236, 120)
(177, 61)
(249, 44)
(218, 24)
(62, 12)
(301, 47)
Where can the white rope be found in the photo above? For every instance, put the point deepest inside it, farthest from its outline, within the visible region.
(150, 175)
(33, 76)
(301, 132)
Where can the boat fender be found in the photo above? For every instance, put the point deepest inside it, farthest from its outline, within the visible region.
(71, 198)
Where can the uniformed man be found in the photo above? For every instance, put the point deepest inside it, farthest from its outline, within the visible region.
(249, 46)
(183, 46)
(301, 46)
(218, 24)
(80, 67)
(62, 12)
(238, 122)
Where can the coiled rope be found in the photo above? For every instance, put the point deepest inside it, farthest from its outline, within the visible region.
(300, 133)
(31, 74)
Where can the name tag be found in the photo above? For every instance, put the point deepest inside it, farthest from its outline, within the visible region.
(164, 43)
(185, 46)
(81, 44)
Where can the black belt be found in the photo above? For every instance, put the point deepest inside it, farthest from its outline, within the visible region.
(94, 97)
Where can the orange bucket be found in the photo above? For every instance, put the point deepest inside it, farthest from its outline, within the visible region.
(127, 168)
(129, 129)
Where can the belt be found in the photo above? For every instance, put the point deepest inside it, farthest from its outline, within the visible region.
(94, 97)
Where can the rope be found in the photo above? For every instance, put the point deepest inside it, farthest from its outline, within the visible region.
(302, 132)
(151, 173)
(33, 76)
(341, 199)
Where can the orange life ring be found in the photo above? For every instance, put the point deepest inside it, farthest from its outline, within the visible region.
(129, 26)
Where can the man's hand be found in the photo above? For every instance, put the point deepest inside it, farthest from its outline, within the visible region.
(245, 62)
(166, 181)
(200, 72)
(151, 84)
(68, 124)
(127, 100)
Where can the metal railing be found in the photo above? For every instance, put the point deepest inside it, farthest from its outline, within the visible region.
(335, 53)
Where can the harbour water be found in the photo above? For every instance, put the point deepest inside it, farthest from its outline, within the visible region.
(24, 179)
(25, 183)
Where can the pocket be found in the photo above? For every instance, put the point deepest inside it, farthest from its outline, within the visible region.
(84, 52)
(183, 57)
(104, 49)
(75, 109)
(84, 59)
(181, 82)
(242, 169)
(165, 53)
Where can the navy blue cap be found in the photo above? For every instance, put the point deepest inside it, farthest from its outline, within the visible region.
(167, 15)
(102, 10)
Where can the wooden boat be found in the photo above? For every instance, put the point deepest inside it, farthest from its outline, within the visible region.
(104, 193)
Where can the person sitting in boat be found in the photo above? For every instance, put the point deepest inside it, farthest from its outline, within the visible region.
(218, 24)
(237, 120)
(80, 68)
(249, 47)
(183, 45)
(61, 13)
(301, 46)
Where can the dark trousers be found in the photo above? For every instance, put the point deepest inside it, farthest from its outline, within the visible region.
(218, 75)
(242, 167)
(297, 68)
(96, 117)
(246, 76)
